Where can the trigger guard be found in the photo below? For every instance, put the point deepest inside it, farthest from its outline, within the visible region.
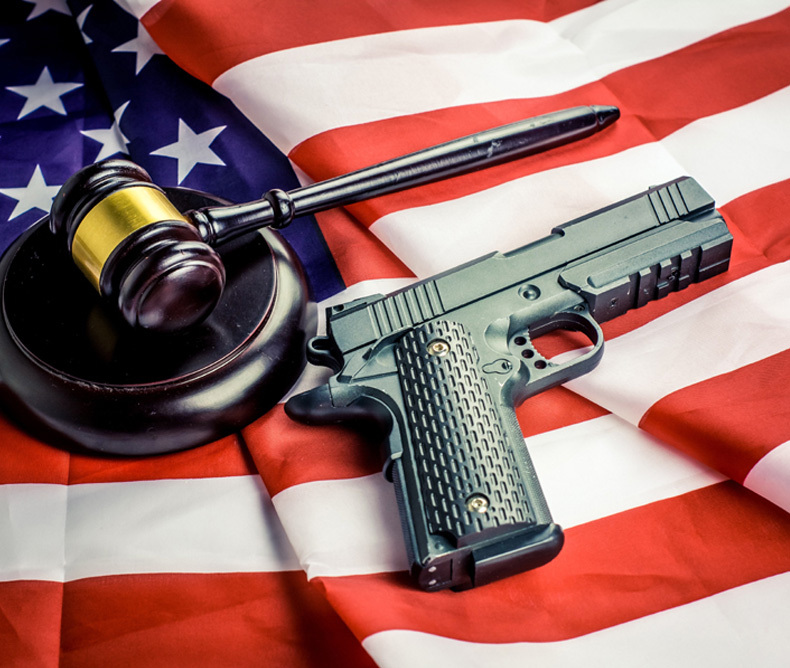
(548, 373)
(577, 320)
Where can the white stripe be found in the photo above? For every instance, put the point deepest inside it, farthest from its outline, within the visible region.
(397, 73)
(604, 466)
(412, 71)
(729, 154)
(745, 626)
(343, 527)
(737, 151)
(193, 525)
(769, 477)
(738, 324)
(213, 525)
(615, 35)
(32, 532)
(588, 471)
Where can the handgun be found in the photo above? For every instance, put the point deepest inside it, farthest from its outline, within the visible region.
(434, 371)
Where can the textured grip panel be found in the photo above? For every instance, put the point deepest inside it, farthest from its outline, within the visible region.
(469, 479)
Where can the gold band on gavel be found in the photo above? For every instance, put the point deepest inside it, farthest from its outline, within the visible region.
(112, 220)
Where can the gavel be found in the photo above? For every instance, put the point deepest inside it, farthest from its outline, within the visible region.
(159, 265)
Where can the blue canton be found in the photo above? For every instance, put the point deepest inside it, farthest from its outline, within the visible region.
(85, 82)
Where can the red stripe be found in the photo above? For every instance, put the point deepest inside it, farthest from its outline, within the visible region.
(729, 422)
(226, 457)
(26, 460)
(30, 614)
(288, 453)
(207, 38)
(554, 409)
(701, 86)
(255, 619)
(261, 619)
(610, 571)
(760, 220)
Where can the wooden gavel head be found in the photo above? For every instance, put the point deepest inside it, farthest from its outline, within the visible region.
(136, 248)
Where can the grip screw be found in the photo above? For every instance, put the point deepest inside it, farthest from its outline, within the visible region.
(438, 347)
(477, 503)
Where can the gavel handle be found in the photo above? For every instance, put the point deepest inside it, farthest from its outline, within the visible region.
(453, 158)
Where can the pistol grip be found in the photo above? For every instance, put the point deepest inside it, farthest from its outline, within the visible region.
(472, 508)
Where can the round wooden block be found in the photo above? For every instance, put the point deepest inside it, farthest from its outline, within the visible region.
(73, 373)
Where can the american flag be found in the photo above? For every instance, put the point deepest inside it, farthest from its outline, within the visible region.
(668, 466)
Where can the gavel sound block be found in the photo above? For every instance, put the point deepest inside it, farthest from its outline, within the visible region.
(73, 374)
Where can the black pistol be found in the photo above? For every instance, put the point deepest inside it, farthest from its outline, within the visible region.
(438, 368)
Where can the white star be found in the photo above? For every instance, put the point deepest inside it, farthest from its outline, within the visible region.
(81, 24)
(43, 6)
(191, 148)
(35, 195)
(112, 139)
(142, 46)
(3, 41)
(43, 93)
